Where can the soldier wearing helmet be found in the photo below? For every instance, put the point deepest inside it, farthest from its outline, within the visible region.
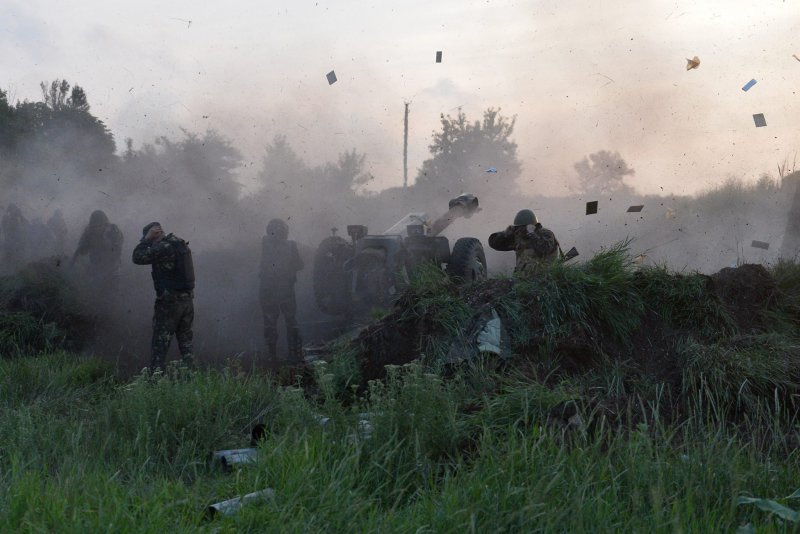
(102, 242)
(14, 227)
(280, 262)
(172, 270)
(535, 245)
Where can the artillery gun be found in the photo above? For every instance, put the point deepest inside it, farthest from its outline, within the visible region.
(371, 269)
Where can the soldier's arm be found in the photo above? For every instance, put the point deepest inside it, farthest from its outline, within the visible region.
(543, 242)
(147, 252)
(503, 241)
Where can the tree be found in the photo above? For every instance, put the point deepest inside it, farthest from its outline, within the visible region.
(347, 175)
(193, 167)
(602, 173)
(463, 152)
(281, 164)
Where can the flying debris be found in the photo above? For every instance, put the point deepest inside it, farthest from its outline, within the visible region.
(492, 170)
(635, 209)
(760, 244)
(759, 120)
(692, 63)
(439, 56)
(591, 207)
(749, 84)
(331, 77)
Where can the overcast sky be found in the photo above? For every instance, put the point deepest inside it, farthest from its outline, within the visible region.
(580, 76)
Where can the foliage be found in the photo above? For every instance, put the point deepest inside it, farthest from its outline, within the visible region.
(684, 301)
(602, 173)
(463, 151)
(417, 452)
(204, 163)
(59, 128)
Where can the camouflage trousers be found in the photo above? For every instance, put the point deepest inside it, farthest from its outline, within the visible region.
(172, 316)
(273, 305)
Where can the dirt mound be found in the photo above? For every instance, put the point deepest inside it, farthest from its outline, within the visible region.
(577, 343)
(746, 291)
(41, 301)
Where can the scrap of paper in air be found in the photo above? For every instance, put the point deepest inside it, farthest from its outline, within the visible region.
(759, 120)
(492, 170)
(749, 84)
(591, 207)
(439, 56)
(331, 77)
(760, 244)
(635, 209)
(692, 63)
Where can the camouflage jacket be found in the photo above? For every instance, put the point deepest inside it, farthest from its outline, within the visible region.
(162, 256)
(534, 248)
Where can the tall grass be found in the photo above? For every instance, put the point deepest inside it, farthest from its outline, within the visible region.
(488, 448)
(440, 455)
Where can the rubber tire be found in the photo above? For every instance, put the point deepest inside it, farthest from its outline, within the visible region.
(332, 284)
(467, 261)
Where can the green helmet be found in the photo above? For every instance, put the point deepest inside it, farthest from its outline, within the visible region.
(524, 218)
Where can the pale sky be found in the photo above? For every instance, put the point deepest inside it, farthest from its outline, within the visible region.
(580, 76)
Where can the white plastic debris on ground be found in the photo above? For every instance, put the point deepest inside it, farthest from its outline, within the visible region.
(484, 332)
(232, 457)
(231, 506)
(490, 337)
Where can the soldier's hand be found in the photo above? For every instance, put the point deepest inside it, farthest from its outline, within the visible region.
(154, 233)
(510, 231)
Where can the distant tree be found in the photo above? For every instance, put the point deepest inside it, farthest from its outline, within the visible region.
(197, 164)
(56, 136)
(603, 173)
(462, 153)
(281, 164)
(347, 175)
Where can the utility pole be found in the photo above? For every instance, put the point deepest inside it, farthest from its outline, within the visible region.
(405, 147)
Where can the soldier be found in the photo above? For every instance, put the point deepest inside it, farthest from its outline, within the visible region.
(15, 228)
(173, 278)
(102, 242)
(280, 262)
(535, 246)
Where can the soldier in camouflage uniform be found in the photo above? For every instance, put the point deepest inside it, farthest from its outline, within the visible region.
(280, 262)
(15, 228)
(102, 242)
(535, 246)
(173, 278)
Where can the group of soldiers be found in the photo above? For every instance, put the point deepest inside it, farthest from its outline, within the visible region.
(172, 268)
(23, 240)
(173, 280)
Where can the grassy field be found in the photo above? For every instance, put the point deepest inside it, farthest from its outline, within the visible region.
(483, 448)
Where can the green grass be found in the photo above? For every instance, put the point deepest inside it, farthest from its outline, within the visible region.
(86, 453)
(489, 446)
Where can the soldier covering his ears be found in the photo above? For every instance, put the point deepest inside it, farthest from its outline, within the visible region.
(535, 245)
(173, 279)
